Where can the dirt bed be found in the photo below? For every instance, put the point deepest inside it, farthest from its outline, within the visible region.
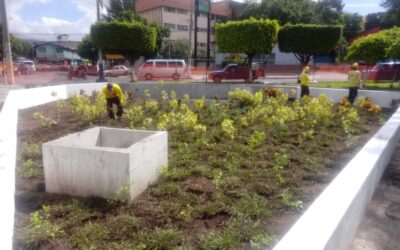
(220, 192)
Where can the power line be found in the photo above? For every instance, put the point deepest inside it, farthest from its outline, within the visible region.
(46, 34)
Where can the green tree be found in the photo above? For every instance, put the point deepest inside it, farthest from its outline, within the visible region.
(18, 47)
(162, 32)
(373, 20)
(132, 39)
(307, 40)
(393, 52)
(375, 47)
(285, 11)
(329, 12)
(177, 49)
(353, 24)
(87, 50)
(392, 16)
(115, 7)
(248, 36)
(370, 49)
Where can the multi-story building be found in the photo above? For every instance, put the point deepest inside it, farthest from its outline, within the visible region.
(175, 15)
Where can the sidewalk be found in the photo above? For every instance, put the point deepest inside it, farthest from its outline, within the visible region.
(4, 89)
(380, 227)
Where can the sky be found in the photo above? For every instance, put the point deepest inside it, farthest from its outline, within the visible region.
(44, 19)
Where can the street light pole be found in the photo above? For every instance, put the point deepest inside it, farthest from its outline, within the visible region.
(6, 43)
(100, 55)
(190, 36)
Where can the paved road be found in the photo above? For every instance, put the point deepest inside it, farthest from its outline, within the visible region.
(56, 78)
(380, 226)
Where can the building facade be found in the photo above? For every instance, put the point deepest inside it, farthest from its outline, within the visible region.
(175, 15)
(56, 52)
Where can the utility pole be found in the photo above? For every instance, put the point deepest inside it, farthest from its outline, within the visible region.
(6, 43)
(190, 36)
(208, 33)
(196, 12)
(100, 55)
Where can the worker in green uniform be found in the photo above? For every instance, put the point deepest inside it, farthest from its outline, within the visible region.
(354, 77)
(305, 79)
(113, 95)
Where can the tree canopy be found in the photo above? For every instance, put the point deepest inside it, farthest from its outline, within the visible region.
(329, 12)
(285, 11)
(248, 36)
(86, 49)
(353, 24)
(132, 39)
(306, 40)
(177, 49)
(117, 6)
(375, 47)
(18, 47)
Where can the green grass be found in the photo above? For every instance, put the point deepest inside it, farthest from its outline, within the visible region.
(369, 85)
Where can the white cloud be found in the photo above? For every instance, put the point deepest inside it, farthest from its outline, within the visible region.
(50, 25)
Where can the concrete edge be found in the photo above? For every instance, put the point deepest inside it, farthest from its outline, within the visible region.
(25, 98)
(333, 218)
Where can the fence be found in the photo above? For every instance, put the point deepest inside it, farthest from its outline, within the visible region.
(202, 70)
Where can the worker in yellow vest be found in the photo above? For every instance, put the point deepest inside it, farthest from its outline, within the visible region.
(113, 95)
(305, 79)
(354, 77)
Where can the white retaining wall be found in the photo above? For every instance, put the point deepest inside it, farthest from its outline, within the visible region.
(220, 90)
(332, 220)
(351, 190)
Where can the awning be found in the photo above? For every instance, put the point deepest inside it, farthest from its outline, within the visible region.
(114, 57)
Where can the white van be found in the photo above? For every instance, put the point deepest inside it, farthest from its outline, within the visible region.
(163, 68)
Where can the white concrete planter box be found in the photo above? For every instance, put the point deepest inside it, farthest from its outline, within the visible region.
(100, 161)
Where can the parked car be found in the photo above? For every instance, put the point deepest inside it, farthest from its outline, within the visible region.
(234, 72)
(163, 68)
(43, 67)
(384, 71)
(118, 70)
(30, 63)
(25, 69)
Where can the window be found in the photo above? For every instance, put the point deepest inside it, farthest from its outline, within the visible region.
(42, 49)
(181, 11)
(182, 27)
(170, 26)
(170, 9)
(202, 45)
(161, 64)
(148, 65)
(59, 50)
(202, 29)
(175, 64)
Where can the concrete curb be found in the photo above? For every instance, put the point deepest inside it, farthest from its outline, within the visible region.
(333, 218)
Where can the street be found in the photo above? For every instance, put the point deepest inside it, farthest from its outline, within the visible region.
(57, 78)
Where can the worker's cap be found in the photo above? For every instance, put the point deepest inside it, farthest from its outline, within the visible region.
(306, 68)
(109, 86)
(355, 65)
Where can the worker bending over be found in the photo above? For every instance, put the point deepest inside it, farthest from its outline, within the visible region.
(113, 94)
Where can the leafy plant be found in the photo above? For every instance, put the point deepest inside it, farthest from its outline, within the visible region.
(228, 129)
(39, 230)
(44, 121)
(28, 169)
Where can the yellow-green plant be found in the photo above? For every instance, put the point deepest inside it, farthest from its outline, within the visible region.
(43, 120)
(228, 129)
(134, 116)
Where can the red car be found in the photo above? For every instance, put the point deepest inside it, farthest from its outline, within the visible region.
(234, 72)
(385, 71)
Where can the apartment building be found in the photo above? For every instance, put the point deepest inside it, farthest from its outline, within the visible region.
(175, 15)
